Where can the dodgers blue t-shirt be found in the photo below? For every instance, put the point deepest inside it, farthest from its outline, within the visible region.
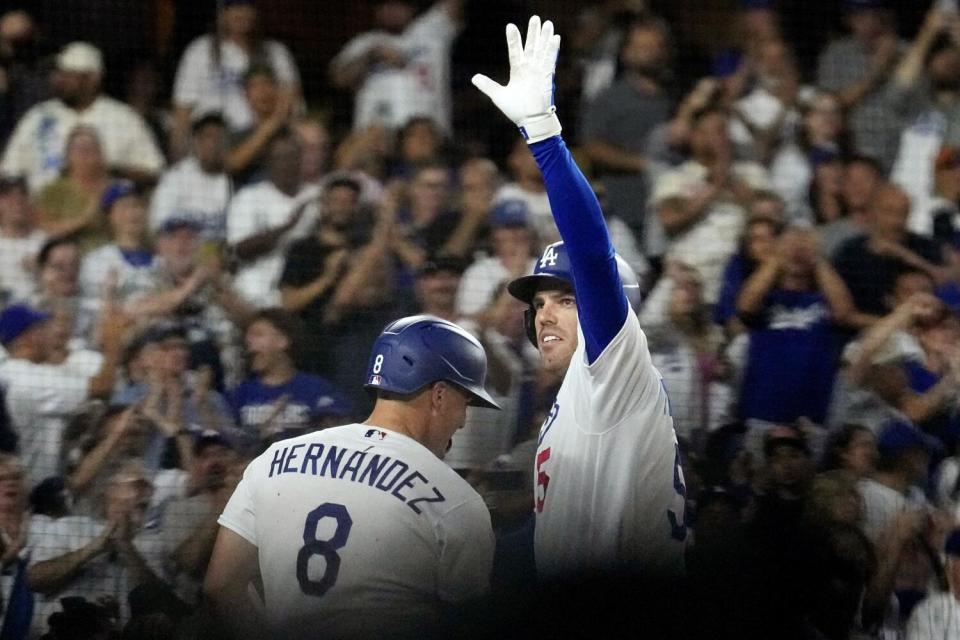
(308, 398)
(791, 362)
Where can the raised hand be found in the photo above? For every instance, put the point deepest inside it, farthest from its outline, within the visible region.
(527, 99)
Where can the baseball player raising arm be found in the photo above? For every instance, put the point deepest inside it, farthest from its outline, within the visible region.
(361, 531)
(609, 486)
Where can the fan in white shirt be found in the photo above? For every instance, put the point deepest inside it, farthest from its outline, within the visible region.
(20, 241)
(210, 74)
(401, 69)
(38, 144)
(265, 218)
(197, 188)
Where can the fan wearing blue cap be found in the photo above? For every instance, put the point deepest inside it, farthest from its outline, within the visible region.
(40, 395)
(610, 489)
(366, 518)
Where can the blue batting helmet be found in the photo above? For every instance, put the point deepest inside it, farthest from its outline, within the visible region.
(554, 267)
(416, 351)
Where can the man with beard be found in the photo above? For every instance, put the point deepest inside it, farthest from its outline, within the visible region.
(279, 401)
(618, 123)
(38, 143)
(197, 188)
(337, 281)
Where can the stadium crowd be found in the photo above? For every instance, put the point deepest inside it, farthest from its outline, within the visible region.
(180, 287)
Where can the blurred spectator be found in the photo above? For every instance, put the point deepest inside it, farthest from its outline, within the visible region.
(197, 188)
(758, 241)
(420, 142)
(427, 225)
(70, 204)
(264, 219)
(479, 180)
(513, 244)
(926, 92)
(857, 68)
(819, 139)
(527, 185)
(314, 142)
(174, 398)
(619, 120)
(938, 214)
(25, 68)
(939, 615)
(685, 348)
(40, 396)
(121, 269)
(272, 114)
(768, 115)
(192, 288)
(869, 263)
(58, 269)
(38, 145)
(791, 305)
(701, 204)
(337, 280)
(898, 481)
(278, 400)
(97, 558)
(861, 180)
(824, 197)
(834, 498)
(20, 241)
(146, 94)
(853, 449)
(189, 517)
(401, 69)
(438, 282)
(211, 72)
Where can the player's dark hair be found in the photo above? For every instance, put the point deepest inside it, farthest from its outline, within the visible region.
(284, 322)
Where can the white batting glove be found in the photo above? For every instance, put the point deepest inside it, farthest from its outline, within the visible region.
(528, 97)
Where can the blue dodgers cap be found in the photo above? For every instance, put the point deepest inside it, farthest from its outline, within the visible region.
(898, 436)
(511, 213)
(16, 319)
(416, 351)
(117, 190)
(952, 546)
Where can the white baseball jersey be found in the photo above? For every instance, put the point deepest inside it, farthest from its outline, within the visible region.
(360, 531)
(609, 487)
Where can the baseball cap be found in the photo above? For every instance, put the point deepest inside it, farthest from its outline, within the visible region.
(947, 158)
(898, 436)
(117, 190)
(510, 213)
(437, 264)
(16, 320)
(81, 57)
(952, 545)
(177, 223)
(783, 435)
(8, 182)
(209, 438)
(205, 118)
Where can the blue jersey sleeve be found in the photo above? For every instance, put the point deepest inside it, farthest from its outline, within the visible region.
(601, 303)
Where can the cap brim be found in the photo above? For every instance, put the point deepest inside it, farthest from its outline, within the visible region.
(525, 287)
(483, 399)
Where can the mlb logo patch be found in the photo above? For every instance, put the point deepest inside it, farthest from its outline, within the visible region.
(375, 433)
(377, 380)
